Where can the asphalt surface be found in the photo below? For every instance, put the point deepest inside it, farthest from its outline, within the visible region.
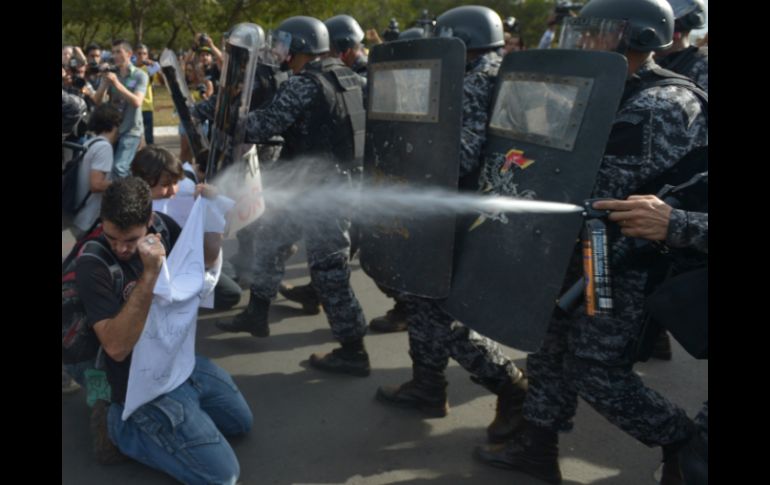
(315, 428)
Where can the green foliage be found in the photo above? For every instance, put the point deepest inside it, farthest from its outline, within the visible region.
(173, 23)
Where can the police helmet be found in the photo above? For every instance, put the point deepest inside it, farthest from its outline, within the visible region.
(689, 14)
(411, 34)
(308, 35)
(243, 34)
(344, 32)
(391, 33)
(650, 22)
(478, 27)
(511, 25)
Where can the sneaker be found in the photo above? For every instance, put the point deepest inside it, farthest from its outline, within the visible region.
(68, 384)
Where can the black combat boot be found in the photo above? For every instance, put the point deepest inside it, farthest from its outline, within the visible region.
(532, 450)
(252, 320)
(671, 474)
(393, 321)
(662, 347)
(426, 392)
(350, 359)
(305, 294)
(694, 461)
(509, 410)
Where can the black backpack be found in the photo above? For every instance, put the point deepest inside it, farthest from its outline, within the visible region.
(79, 341)
(70, 206)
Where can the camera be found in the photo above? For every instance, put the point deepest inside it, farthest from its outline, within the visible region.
(108, 68)
(203, 39)
(92, 68)
(201, 89)
(78, 82)
(511, 25)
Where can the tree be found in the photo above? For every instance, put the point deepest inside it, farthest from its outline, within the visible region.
(137, 10)
(85, 19)
(172, 23)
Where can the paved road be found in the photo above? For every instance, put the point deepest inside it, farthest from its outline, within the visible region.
(314, 428)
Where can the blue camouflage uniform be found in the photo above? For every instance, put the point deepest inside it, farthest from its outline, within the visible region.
(692, 62)
(691, 229)
(434, 336)
(591, 357)
(294, 114)
(688, 229)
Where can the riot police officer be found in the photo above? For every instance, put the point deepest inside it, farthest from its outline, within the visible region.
(319, 112)
(434, 336)
(657, 126)
(681, 57)
(345, 37)
(414, 33)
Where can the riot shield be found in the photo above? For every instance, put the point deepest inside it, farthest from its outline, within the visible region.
(242, 182)
(244, 45)
(551, 118)
(183, 103)
(413, 137)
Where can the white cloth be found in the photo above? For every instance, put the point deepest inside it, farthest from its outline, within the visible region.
(164, 356)
(242, 182)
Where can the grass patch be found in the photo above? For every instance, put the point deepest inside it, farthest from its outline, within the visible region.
(163, 107)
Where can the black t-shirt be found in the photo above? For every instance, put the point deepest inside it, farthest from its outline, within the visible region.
(94, 285)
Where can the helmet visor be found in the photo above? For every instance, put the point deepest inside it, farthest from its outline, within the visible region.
(594, 34)
(280, 46)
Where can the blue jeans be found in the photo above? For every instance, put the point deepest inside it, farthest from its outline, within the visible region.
(148, 127)
(181, 433)
(124, 154)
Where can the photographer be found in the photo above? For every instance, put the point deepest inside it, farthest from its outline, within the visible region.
(200, 89)
(210, 59)
(76, 83)
(512, 36)
(127, 88)
(93, 61)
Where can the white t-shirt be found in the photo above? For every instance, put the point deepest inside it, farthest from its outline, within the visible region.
(98, 157)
